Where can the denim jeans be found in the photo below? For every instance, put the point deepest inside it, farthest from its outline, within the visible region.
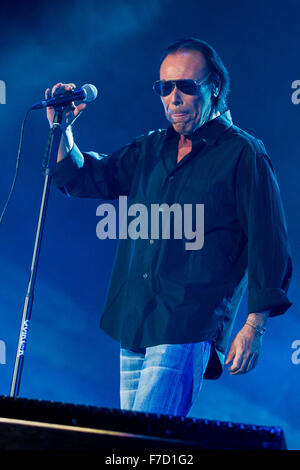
(163, 379)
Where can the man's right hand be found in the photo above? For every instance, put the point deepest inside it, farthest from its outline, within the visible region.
(70, 114)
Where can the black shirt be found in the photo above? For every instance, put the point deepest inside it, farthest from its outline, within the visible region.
(159, 291)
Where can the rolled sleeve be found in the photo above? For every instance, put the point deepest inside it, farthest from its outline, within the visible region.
(262, 218)
(97, 175)
(66, 172)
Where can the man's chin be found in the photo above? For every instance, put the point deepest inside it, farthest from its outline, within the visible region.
(182, 128)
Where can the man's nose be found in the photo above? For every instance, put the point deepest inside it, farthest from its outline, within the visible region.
(176, 98)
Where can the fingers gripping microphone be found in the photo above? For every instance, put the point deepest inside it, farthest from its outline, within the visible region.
(86, 93)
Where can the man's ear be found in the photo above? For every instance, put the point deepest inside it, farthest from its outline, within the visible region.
(214, 90)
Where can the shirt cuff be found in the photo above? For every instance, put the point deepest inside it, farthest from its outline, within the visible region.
(274, 300)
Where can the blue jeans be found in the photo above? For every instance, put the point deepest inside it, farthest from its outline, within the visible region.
(163, 379)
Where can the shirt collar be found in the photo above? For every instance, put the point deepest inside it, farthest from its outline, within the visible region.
(210, 131)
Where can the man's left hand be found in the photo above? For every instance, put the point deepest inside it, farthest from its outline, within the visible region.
(244, 351)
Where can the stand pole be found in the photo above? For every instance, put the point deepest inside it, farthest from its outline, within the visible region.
(49, 164)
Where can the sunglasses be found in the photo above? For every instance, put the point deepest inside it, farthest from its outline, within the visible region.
(187, 86)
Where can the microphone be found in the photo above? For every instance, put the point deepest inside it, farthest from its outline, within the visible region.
(86, 93)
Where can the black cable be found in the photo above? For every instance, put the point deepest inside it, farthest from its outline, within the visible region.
(17, 166)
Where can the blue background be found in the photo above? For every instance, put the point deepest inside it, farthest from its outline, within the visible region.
(116, 45)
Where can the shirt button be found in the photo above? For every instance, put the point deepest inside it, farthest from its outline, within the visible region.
(145, 275)
(151, 242)
(171, 177)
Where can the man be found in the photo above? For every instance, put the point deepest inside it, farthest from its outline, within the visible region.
(173, 309)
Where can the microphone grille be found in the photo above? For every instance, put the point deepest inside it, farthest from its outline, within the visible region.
(91, 92)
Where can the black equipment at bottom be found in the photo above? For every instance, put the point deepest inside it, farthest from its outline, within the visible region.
(35, 424)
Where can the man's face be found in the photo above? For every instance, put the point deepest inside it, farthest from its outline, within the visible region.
(186, 112)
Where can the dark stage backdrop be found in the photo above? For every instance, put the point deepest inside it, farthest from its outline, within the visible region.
(116, 45)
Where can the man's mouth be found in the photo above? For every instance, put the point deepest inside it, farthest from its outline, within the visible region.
(178, 116)
(181, 111)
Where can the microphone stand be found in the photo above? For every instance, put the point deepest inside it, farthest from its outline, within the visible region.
(49, 164)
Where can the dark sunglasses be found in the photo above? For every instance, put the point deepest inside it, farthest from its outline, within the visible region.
(187, 86)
